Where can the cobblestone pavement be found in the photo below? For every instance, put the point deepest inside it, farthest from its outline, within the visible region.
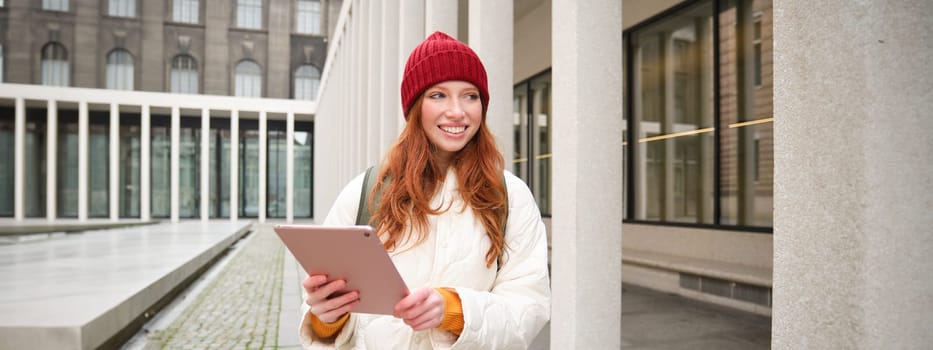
(237, 309)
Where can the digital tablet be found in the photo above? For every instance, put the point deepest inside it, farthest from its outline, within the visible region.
(353, 253)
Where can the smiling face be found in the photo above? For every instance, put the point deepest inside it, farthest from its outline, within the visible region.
(451, 114)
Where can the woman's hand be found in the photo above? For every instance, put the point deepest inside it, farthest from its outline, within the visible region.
(327, 309)
(422, 309)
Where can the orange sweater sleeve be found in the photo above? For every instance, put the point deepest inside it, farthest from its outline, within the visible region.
(327, 330)
(453, 311)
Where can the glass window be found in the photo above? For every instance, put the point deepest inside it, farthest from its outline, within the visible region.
(7, 160)
(309, 17)
(34, 179)
(160, 160)
(122, 8)
(276, 160)
(1, 59)
(249, 14)
(673, 115)
(746, 112)
(98, 199)
(531, 107)
(185, 11)
(130, 161)
(220, 168)
(184, 75)
(119, 70)
(248, 79)
(304, 174)
(189, 168)
(55, 5)
(248, 179)
(54, 65)
(307, 81)
(67, 164)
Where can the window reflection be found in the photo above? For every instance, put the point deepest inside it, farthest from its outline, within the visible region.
(130, 165)
(532, 137)
(160, 162)
(248, 192)
(189, 168)
(304, 158)
(276, 169)
(98, 199)
(7, 160)
(220, 168)
(67, 164)
(34, 179)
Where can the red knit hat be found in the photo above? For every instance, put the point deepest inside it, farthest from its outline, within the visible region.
(437, 59)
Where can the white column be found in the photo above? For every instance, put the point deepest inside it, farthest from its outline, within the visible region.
(390, 102)
(144, 164)
(114, 162)
(51, 161)
(587, 186)
(262, 166)
(411, 33)
(82, 160)
(234, 162)
(290, 167)
(205, 163)
(19, 155)
(491, 32)
(176, 139)
(853, 199)
(373, 116)
(442, 15)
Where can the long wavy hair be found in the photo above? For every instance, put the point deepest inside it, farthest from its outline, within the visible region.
(410, 177)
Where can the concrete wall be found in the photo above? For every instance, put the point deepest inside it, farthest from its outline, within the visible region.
(854, 180)
(533, 42)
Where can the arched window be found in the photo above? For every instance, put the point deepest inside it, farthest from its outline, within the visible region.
(307, 80)
(184, 76)
(54, 65)
(119, 70)
(309, 17)
(248, 79)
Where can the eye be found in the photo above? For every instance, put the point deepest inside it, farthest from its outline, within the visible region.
(436, 95)
(472, 96)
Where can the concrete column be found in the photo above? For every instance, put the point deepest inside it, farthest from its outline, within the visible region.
(411, 33)
(19, 159)
(144, 164)
(176, 139)
(51, 161)
(374, 113)
(491, 36)
(442, 15)
(854, 181)
(234, 162)
(152, 67)
(281, 21)
(205, 164)
(390, 102)
(114, 162)
(216, 74)
(82, 160)
(587, 191)
(290, 167)
(262, 166)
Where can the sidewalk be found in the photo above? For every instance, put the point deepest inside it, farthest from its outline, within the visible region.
(251, 299)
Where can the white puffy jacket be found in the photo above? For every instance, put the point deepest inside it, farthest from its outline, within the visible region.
(502, 309)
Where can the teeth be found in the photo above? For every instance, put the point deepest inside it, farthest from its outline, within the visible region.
(453, 129)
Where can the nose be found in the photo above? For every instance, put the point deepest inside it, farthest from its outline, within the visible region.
(455, 110)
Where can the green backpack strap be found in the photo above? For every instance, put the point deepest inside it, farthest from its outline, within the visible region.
(362, 213)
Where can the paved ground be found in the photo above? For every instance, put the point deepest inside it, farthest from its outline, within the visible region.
(250, 300)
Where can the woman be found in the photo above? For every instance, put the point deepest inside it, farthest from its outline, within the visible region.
(476, 280)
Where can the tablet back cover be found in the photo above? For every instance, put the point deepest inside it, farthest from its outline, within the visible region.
(353, 253)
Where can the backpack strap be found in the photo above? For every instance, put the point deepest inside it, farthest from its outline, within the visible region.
(362, 213)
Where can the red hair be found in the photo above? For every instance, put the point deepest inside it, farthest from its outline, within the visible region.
(414, 176)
